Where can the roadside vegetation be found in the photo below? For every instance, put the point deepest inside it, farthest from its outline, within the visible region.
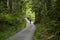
(47, 19)
(14, 14)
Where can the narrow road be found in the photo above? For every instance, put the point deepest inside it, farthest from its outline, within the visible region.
(25, 34)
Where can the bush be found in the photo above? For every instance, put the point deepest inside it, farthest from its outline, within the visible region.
(7, 20)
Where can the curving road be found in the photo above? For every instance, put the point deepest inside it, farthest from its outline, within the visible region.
(25, 34)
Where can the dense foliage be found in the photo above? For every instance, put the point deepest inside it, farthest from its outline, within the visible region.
(45, 13)
(11, 17)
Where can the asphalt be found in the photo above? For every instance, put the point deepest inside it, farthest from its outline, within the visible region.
(25, 34)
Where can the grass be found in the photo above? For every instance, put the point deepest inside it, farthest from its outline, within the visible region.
(43, 32)
(10, 31)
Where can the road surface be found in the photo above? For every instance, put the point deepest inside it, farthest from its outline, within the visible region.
(25, 34)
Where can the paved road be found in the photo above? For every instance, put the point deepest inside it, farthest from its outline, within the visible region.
(26, 34)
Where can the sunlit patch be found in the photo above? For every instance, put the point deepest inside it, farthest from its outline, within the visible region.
(26, 20)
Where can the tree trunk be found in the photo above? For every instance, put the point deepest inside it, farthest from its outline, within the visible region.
(9, 4)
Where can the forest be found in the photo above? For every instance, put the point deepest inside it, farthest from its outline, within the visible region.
(14, 14)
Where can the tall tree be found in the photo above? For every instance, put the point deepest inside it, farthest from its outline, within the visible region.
(9, 3)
